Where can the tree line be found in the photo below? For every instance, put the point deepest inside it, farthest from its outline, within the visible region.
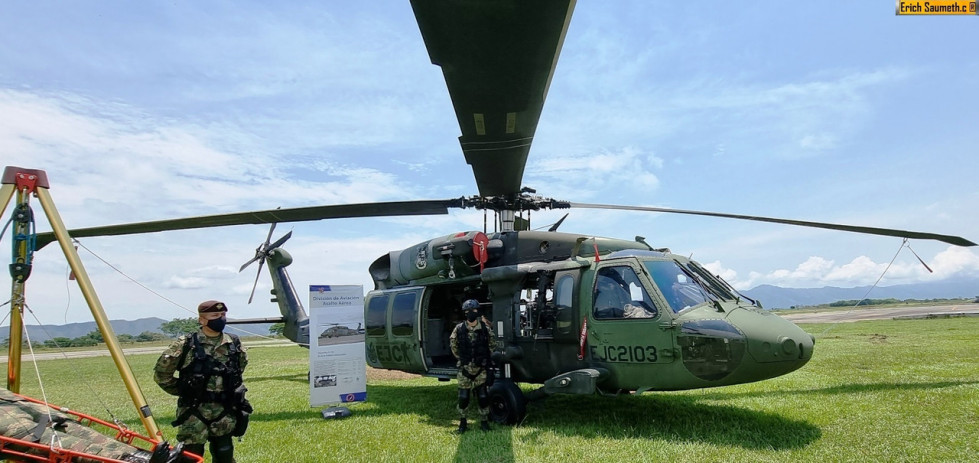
(93, 338)
(168, 330)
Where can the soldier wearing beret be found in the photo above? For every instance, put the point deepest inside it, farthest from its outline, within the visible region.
(211, 405)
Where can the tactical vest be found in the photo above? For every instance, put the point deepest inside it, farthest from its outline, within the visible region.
(194, 378)
(478, 354)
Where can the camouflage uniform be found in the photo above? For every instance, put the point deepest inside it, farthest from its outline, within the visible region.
(480, 372)
(20, 417)
(193, 430)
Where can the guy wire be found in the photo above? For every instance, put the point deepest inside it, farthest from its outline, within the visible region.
(903, 244)
(141, 285)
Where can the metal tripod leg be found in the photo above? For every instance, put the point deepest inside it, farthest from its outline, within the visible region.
(16, 296)
(85, 284)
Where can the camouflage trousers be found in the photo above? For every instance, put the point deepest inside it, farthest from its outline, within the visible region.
(472, 384)
(194, 431)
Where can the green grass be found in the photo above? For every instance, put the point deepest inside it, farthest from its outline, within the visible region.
(875, 391)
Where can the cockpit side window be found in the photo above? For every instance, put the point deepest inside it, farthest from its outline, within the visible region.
(677, 287)
(619, 294)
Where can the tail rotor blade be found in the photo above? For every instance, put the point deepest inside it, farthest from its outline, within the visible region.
(271, 230)
(262, 253)
(257, 275)
(279, 241)
(258, 255)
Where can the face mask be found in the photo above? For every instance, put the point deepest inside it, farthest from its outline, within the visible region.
(472, 315)
(217, 324)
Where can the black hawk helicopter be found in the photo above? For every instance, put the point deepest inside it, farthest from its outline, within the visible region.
(575, 313)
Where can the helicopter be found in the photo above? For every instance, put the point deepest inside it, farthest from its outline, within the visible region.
(338, 330)
(574, 313)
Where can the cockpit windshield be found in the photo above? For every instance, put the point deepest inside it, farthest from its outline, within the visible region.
(682, 287)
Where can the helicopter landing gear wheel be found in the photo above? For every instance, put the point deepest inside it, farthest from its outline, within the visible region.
(507, 403)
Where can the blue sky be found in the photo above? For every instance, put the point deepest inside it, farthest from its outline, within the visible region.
(835, 111)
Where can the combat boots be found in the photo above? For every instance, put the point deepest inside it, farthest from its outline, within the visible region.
(463, 426)
(484, 425)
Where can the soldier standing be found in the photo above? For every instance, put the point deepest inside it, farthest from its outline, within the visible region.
(211, 405)
(472, 343)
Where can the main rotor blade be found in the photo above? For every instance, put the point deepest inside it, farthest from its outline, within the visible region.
(956, 240)
(497, 58)
(298, 214)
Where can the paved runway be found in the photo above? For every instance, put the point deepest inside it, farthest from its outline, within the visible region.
(855, 315)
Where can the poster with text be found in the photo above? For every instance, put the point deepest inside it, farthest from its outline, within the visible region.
(337, 364)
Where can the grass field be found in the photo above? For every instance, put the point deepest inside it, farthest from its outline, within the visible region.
(874, 391)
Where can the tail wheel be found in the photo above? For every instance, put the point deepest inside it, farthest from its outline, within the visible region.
(507, 403)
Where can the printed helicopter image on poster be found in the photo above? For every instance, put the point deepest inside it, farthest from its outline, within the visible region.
(575, 313)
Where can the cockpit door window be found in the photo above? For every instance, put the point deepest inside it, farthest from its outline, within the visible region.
(620, 294)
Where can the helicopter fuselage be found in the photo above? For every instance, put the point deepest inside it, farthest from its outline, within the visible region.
(578, 314)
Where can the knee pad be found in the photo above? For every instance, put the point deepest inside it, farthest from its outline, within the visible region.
(463, 398)
(482, 396)
(222, 449)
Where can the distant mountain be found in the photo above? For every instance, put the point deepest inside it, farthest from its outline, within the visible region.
(774, 297)
(134, 328)
(74, 330)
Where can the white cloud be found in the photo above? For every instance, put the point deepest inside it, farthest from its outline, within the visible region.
(727, 274)
(176, 282)
(217, 272)
(623, 172)
(817, 272)
(171, 167)
(955, 261)
(818, 142)
(860, 269)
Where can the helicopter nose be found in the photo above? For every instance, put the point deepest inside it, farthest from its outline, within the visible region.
(775, 344)
(791, 347)
(782, 342)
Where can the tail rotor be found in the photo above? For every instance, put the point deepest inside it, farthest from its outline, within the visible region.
(261, 254)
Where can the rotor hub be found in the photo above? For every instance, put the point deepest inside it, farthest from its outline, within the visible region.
(514, 203)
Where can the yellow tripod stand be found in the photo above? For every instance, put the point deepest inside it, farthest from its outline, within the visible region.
(26, 183)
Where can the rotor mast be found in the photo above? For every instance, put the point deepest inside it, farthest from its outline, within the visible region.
(506, 220)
